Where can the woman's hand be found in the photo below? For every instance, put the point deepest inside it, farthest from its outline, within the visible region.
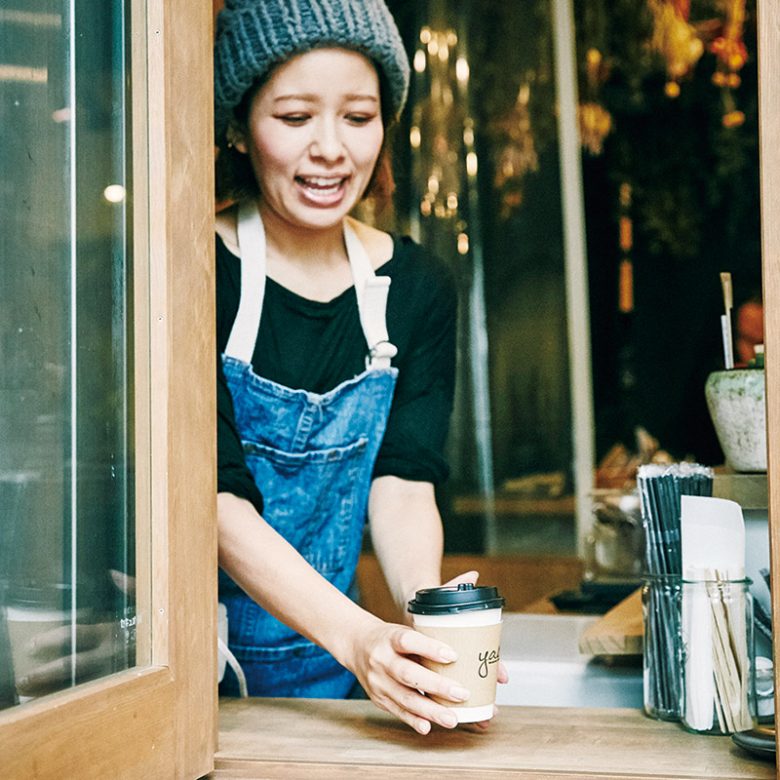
(385, 657)
(469, 577)
(386, 663)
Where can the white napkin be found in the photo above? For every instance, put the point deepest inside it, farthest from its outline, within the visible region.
(712, 538)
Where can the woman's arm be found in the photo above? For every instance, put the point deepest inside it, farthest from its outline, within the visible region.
(379, 654)
(406, 534)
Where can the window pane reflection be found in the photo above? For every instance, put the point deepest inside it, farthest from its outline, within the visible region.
(480, 186)
(67, 601)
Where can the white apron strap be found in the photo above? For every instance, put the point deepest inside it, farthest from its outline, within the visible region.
(251, 243)
(371, 291)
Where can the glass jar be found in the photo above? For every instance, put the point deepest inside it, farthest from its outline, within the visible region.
(662, 647)
(718, 658)
(615, 544)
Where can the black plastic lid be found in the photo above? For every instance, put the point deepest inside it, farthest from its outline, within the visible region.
(451, 599)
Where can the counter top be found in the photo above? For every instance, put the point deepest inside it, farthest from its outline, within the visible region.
(333, 740)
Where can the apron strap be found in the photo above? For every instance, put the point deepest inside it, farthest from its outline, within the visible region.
(371, 291)
(251, 242)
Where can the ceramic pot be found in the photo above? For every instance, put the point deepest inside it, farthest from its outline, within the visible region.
(737, 403)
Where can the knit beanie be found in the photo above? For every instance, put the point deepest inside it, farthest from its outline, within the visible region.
(254, 35)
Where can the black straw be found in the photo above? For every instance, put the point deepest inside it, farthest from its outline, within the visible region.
(660, 491)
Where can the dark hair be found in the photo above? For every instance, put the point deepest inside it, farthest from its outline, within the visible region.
(234, 178)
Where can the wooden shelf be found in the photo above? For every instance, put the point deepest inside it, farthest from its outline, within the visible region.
(619, 632)
(507, 504)
(750, 491)
(523, 580)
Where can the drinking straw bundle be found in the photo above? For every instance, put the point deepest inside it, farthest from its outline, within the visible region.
(660, 489)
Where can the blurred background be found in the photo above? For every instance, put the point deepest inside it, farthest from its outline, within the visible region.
(666, 113)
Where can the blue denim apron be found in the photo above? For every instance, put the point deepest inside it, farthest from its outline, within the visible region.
(312, 456)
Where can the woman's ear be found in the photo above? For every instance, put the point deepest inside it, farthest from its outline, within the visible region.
(236, 139)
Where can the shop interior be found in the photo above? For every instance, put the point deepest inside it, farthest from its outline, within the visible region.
(667, 186)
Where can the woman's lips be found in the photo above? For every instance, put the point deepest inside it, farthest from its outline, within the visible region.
(322, 190)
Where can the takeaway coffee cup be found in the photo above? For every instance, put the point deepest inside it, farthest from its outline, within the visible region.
(468, 619)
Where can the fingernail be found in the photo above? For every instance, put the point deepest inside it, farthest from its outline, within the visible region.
(461, 694)
(449, 720)
(423, 727)
(448, 655)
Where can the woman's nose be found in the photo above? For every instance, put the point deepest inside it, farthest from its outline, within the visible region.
(327, 142)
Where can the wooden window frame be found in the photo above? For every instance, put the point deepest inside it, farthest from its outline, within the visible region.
(769, 150)
(159, 718)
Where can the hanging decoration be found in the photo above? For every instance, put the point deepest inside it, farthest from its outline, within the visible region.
(676, 40)
(626, 241)
(681, 44)
(680, 41)
(515, 154)
(593, 119)
(731, 55)
(434, 137)
(595, 122)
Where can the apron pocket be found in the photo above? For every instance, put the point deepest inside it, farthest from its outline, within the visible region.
(316, 499)
(295, 461)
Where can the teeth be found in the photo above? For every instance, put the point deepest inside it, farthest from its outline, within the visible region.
(322, 182)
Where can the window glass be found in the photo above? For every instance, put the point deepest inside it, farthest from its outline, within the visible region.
(479, 185)
(67, 603)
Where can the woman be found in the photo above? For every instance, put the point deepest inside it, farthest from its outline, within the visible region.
(334, 387)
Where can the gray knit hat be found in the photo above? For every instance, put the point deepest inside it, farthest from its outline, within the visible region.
(255, 35)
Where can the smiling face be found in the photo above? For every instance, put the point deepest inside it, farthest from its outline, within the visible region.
(313, 136)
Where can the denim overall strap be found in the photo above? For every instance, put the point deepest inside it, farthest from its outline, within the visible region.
(312, 456)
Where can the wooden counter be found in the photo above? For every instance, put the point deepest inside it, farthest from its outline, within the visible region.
(334, 740)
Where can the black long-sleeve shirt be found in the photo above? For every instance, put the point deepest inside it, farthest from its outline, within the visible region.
(316, 346)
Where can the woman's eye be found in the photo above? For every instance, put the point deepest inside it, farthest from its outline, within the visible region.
(294, 119)
(359, 119)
